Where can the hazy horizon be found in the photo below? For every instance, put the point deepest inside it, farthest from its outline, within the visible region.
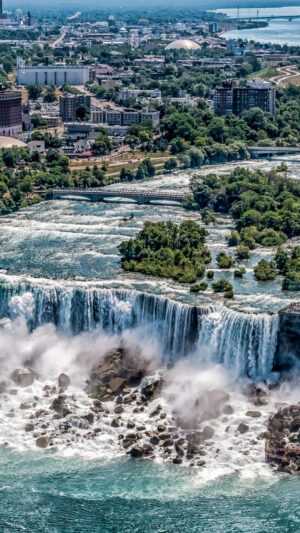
(95, 5)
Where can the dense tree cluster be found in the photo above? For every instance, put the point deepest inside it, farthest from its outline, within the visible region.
(23, 173)
(168, 250)
(264, 205)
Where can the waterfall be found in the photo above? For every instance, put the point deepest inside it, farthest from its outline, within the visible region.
(243, 343)
(75, 310)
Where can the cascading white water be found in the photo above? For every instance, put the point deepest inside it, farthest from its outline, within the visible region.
(243, 343)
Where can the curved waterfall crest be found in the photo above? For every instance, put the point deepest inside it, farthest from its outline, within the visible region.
(244, 343)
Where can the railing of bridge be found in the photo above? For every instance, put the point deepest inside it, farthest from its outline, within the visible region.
(124, 193)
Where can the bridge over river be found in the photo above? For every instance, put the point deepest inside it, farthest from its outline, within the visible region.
(141, 196)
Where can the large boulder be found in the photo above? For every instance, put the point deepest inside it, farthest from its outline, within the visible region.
(42, 442)
(117, 371)
(23, 377)
(63, 381)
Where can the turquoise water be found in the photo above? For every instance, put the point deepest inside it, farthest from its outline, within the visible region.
(39, 494)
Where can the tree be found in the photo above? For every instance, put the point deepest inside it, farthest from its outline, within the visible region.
(34, 91)
(170, 164)
(102, 144)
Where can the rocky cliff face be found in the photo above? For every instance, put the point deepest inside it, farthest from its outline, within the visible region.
(288, 347)
(283, 440)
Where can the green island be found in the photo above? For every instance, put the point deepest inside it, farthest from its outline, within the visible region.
(265, 207)
(168, 250)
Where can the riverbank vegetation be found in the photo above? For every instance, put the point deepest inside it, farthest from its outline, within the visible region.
(168, 250)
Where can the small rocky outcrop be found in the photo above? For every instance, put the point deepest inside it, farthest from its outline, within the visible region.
(23, 377)
(283, 440)
(118, 370)
(42, 442)
(63, 382)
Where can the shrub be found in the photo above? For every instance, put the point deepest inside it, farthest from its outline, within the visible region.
(233, 238)
(222, 285)
(242, 252)
(239, 272)
(270, 237)
(199, 287)
(224, 261)
(265, 270)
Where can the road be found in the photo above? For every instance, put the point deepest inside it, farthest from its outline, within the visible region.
(60, 39)
(287, 75)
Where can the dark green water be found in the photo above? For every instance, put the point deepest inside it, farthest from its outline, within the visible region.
(43, 494)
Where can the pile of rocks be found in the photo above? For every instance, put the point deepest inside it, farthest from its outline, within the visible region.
(124, 403)
(283, 439)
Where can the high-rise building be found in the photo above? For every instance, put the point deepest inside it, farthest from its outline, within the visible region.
(234, 98)
(74, 107)
(10, 113)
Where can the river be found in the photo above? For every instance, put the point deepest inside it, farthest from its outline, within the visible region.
(60, 264)
(279, 31)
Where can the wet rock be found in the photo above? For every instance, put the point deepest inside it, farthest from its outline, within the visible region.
(23, 377)
(177, 460)
(116, 372)
(25, 405)
(89, 417)
(179, 450)
(3, 386)
(201, 463)
(155, 411)
(154, 440)
(97, 406)
(147, 449)
(168, 443)
(151, 387)
(243, 428)
(136, 452)
(130, 424)
(254, 414)
(40, 413)
(29, 427)
(282, 445)
(228, 410)
(64, 381)
(115, 423)
(207, 433)
(42, 442)
(119, 399)
(118, 410)
(294, 425)
(59, 406)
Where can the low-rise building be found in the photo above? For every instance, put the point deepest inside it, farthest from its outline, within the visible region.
(124, 118)
(52, 75)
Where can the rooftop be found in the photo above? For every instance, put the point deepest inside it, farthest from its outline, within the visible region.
(185, 44)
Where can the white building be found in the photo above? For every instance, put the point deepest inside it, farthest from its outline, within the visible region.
(53, 75)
